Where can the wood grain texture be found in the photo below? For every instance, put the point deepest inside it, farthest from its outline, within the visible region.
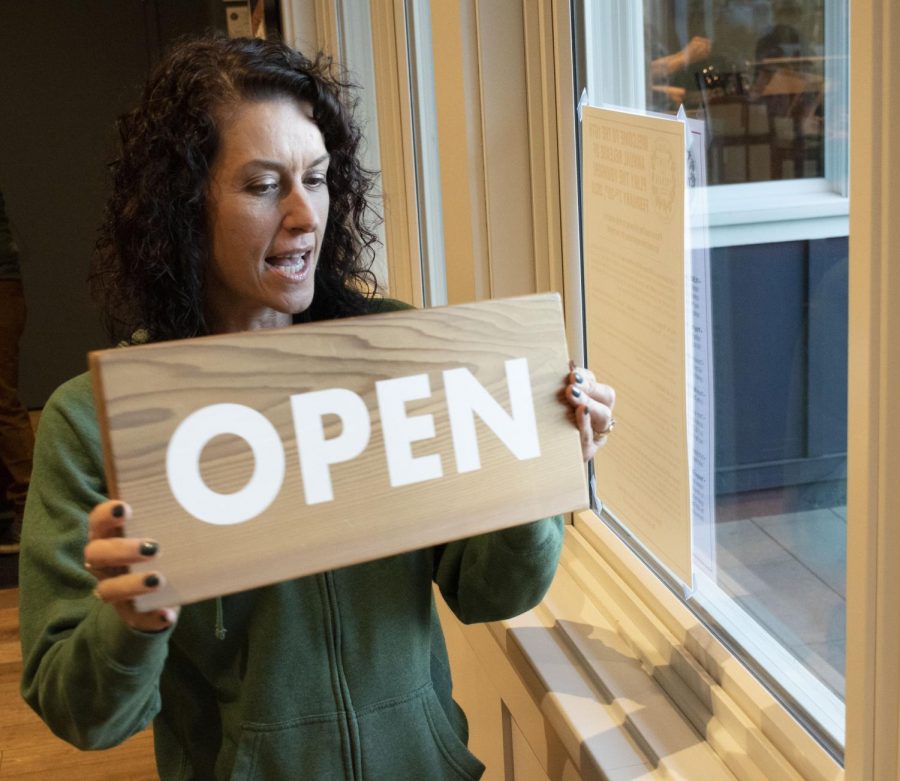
(144, 392)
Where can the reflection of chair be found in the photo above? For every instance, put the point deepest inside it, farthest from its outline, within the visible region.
(738, 128)
(770, 130)
(794, 100)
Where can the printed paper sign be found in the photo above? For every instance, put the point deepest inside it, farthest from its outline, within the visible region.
(635, 243)
(257, 457)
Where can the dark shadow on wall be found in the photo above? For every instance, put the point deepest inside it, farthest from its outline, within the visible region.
(67, 70)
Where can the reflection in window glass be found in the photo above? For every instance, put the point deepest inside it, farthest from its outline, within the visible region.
(780, 341)
(754, 70)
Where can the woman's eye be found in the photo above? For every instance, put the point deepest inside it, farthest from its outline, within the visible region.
(314, 181)
(263, 188)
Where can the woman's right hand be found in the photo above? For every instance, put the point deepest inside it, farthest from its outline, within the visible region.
(107, 557)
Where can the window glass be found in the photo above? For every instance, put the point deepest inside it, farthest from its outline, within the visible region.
(758, 73)
(754, 70)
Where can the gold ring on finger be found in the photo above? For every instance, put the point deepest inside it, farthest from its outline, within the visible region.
(607, 430)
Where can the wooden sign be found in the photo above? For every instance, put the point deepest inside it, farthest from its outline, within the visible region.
(266, 455)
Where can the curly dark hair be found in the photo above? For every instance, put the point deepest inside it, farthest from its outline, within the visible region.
(152, 251)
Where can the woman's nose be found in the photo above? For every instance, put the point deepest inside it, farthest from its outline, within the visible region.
(299, 212)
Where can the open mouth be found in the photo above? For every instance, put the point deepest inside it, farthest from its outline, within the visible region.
(294, 265)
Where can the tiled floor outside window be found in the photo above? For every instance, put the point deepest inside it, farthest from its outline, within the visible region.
(788, 570)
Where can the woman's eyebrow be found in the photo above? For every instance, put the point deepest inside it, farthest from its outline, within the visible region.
(277, 164)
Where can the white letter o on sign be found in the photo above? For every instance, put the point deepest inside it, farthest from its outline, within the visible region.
(183, 464)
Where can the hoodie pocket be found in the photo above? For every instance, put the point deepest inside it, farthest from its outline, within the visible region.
(411, 739)
(454, 749)
(405, 739)
(291, 751)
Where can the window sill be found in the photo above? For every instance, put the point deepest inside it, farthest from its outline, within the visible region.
(630, 621)
(766, 212)
(614, 719)
(611, 677)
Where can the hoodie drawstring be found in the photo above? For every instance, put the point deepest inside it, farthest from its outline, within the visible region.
(221, 631)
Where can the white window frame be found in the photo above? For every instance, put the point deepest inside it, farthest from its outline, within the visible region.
(740, 214)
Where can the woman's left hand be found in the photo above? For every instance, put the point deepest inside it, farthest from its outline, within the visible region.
(592, 404)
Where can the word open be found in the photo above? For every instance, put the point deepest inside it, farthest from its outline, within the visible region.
(466, 397)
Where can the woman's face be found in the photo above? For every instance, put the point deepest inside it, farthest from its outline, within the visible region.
(267, 207)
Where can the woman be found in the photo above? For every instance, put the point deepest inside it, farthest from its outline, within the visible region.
(239, 203)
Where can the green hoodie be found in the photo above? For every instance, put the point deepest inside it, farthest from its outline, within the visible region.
(341, 675)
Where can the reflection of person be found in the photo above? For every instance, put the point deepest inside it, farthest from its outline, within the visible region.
(16, 438)
(665, 67)
(695, 50)
(238, 203)
(737, 27)
(782, 39)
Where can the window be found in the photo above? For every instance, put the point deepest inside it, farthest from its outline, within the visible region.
(768, 79)
(487, 40)
(778, 122)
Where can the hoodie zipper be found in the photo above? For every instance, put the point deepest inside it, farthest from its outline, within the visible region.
(343, 693)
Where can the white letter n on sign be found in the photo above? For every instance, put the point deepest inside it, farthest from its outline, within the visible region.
(467, 397)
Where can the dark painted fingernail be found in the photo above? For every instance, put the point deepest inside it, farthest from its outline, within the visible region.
(149, 548)
(586, 411)
(151, 581)
(118, 511)
(575, 392)
(578, 378)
